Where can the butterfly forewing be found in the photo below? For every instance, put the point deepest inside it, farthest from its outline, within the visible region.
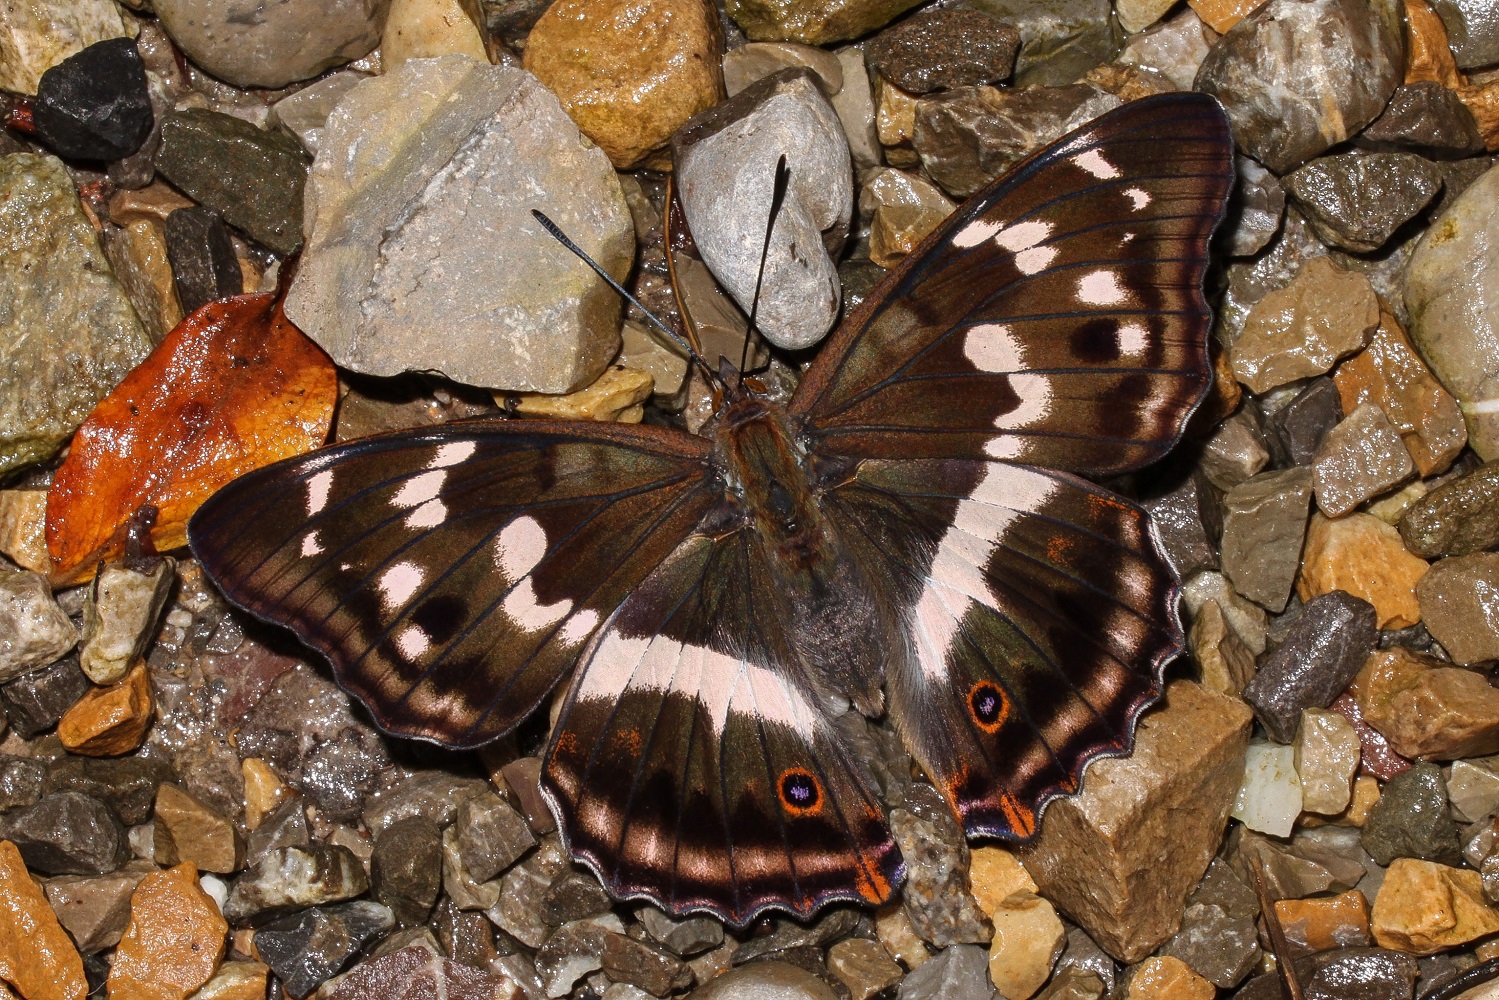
(453, 575)
(693, 764)
(1056, 318)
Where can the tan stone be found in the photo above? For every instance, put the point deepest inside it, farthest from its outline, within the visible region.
(422, 29)
(1426, 709)
(94, 909)
(1484, 952)
(1028, 939)
(174, 941)
(1424, 908)
(152, 203)
(36, 955)
(1390, 374)
(995, 874)
(264, 790)
(1303, 329)
(617, 395)
(109, 721)
(1365, 798)
(189, 831)
(1325, 922)
(1121, 857)
(1364, 556)
(1428, 57)
(629, 72)
(1460, 606)
(23, 523)
(38, 34)
(895, 122)
(648, 351)
(1482, 100)
(1167, 978)
(138, 254)
(235, 981)
(1137, 15)
(864, 967)
(903, 209)
(1227, 664)
(753, 61)
(1327, 755)
(1220, 15)
(899, 938)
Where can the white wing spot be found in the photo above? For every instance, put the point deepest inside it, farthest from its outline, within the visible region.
(1138, 197)
(451, 454)
(527, 611)
(1035, 401)
(1133, 338)
(974, 233)
(318, 489)
(992, 348)
(578, 627)
(1101, 288)
(310, 545)
(1094, 163)
(413, 642)
(1023, 235)
(1005, 447)
(419, 489)
(521, 545)
(398, 583)
(428, 515)
(1035, 259)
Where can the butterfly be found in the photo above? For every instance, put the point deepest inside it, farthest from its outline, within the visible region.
(911, 535)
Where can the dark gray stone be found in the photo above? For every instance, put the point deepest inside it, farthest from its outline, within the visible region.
(466, 936)
(1334, 635)
(20, 782)
(67, 833)
(574, 896)
(787, 935)
(942, 49)
(645, 965)
(307, 949)
(35, 701)
(251, 177)
(1295, 431)
(1424, 117)
(1411, 819)
(1344, 974)
(1300, 76)
(1254, 209)
(284, 826)
(492, 836)
(1458, 518)
(94, 105)
(1472, 30)
(1084, 954)
(1218, 946)
(201, 253)
(127, 784)
(1188, 521)
(960, 972)
(1356, 200)
(572, 952)
(435, 795)
(681, 937)
(406, 868)
(293, 878)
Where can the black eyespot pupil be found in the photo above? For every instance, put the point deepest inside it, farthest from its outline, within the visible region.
(799, 790)
(986, 703)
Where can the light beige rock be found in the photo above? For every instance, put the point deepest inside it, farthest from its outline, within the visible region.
(1121, 857)
(120, 616)
(1269, 798)
(895, 122)
(138, 254)
(1167, 978)
(854, 103)
(421, 29)
(36, 35)
(648, 351)
(1362, 457)
(23, 526)
(1028, 939)
(813, 23)
(903, 208)
(753, 61)
(1364, 556)
(617, 395)
(235, 981)
(898, 937)
(1473, 788)
(1245, 618)
(1423, 908)
(995, 874)
(264, 790)
(1227, 664)
(864, 967)
(1327, 756)
(1303, 329)
(1137, 15)
(39, 633)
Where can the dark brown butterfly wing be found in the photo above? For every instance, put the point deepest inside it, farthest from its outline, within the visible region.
(1056, 318)
(452, 576)
(694, 766)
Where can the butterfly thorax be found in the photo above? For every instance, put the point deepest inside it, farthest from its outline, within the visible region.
(770, 480)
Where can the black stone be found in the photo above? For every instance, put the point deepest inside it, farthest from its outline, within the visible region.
(36, 700)
(1411, 819)
(95, 104)
(201, 253)
(127, 784)
(941, 49)
(20, 782)
(68, 833)
(1344, 974)
(1295, 431)
(1188, 521)
(406, 868)
(307, 949)
(1322, 652)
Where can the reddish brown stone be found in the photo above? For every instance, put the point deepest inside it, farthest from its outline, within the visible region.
(1376, 756)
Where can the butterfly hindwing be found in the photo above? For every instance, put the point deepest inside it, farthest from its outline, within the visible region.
(1056, 318)
(453, 575)
(693, 764)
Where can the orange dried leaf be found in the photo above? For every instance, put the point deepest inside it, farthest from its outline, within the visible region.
(235, 386)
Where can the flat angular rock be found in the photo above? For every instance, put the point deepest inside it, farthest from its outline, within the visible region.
(109, 721)
(36, 701)
(305, 112)
(1327, 758)
(725, 160)
(968, 136)
(1460, 606)
(202, 255)
(1301, 330)
(1297, 78)
(491, 836)
(34, 631)
(942, 49)
(1472, 31)
(406, 869)
(94, 105)
(813, 24)
(1362, 555)
(36, 955)
(1362, 457)
(1424, 117)
(902, 208)
(1295, 431)
(1458, 517)
(1322, 654)
(1344, 974)
(1357, 200)
(253, 178)
(190, 830)
(251, 45)
(1264, 522)
(1188, 522)
(67, 833)
(1060, 40)
(1255, 208)
(120, 617)
(1423, 907)
(1411, 820)
(1235, 452)
(1392, 375)
(1450, 289)
(1182, 777)
(414, 973)
(138, 254)
(95, 909)
(294, 878)
(1426, 708)
(34, 37)
(386, 229)
(956, 973)
(1269, 796)
(306, 949)
(68, 333)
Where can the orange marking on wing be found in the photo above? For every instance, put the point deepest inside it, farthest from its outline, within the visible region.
(1021, 819)
(1059, 550)
(567, 744)
(631, 741)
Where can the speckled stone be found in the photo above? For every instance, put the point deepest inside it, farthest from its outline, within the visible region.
(1411, 819)
(1458, 517)
(37, 631)
(1188, 522)
(1235, 452)
(936, 896)
(942, 49)
(1264, 523)
(36, 36)
(1362, 457)
(1356, 200)
(1321, 654)
(68, 833)
(1460, 606)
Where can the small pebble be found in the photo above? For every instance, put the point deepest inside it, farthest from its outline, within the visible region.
(23, 515)
(1166, 978)
(406, 869)
(1473, 789)
(235, 981)
(188, 830)
(95, 105)
(95, 909)
(1324, 923)
(619, 394)
(174, 941)
(903, 209)
(1028, 940)
(204, 267)
(1361, 458)
(1327, 758)
(1423, 908)
(1303, 329)
(1188, 522)
(293, 878)
(1411, 819)
(120, 617)
(109, 721)
(1459, 517)
(1297, 429)
(956, 973)
(307, 949)
(1356, 200)
(1363, 556)
(36, 632)
(1264, 523)
(423, 29)
(942, 49)
(1236, 452)
(864, 967)
(1269, 798)
(68, 833)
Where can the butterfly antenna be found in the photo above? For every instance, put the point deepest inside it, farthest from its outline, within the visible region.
(777, 199)
(669, 231)
(670, 334)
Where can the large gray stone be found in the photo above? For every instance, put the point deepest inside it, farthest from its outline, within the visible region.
(251, 43)
(1299, 76)
(726, 164)
(422, 253)
(1472, 30)
(67, 331)
(1452, 294)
